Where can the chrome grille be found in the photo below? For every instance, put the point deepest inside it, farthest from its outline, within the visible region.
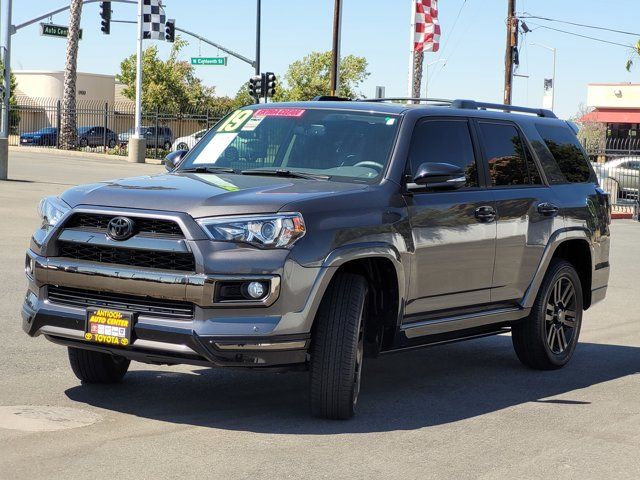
(128, 256)
(75, 297)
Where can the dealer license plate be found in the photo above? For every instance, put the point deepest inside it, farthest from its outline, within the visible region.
(109, 327)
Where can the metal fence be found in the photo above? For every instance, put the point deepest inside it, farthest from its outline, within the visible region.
(617, 164)
(105, 128)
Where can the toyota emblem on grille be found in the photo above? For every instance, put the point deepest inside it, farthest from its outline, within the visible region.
(120, 228)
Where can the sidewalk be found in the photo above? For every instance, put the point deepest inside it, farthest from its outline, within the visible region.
(54, 152)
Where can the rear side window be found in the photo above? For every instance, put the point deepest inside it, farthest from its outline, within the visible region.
(444, 141)
(567, 152)
(510, 162)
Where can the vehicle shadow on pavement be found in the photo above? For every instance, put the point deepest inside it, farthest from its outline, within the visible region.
(406, 391)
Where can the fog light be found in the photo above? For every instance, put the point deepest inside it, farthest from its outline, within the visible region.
(256, 290)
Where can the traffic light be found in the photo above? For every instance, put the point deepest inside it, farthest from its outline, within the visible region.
(270, 84)
(170, 31)
(256, 86)
(105, 14)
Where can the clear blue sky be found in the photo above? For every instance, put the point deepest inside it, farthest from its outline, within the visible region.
(376, 29)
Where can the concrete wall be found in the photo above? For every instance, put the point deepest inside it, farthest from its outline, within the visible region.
(613, 95)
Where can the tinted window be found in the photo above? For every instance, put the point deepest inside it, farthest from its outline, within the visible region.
(444, 141)
(567, 152)
(506, 155)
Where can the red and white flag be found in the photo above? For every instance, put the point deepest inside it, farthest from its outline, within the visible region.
(427, 29)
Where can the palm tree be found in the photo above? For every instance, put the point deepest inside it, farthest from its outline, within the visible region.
(418, 58)
(68, 130)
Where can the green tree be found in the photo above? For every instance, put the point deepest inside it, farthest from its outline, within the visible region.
(14, 113)
(309, 77)
(170, 85)
(636, 53)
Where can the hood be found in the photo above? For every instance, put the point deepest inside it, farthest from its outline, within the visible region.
(202, 195)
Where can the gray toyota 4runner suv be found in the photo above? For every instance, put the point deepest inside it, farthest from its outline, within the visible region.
(312, 235)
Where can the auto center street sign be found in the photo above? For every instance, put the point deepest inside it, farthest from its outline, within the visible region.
(51, 30)
(221, 61)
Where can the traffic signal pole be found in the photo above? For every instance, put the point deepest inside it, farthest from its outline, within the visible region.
(258, 25)
(6, 91)
(137, 144)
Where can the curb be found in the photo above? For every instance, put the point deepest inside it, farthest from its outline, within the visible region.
(74, 153)
(622, 216)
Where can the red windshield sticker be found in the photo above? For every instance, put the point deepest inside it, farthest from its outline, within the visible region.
(279, 112)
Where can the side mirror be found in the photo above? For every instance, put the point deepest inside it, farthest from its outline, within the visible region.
(172, 160)
(440, 176)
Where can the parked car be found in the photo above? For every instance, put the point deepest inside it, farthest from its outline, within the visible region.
(621, 177)
(188, 141)
(96, 136)
(371, 227)
(163, 138)
(44, 137)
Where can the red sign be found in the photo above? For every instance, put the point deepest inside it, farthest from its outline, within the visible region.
(279, 112)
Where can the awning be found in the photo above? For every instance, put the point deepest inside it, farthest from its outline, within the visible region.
(612, 115)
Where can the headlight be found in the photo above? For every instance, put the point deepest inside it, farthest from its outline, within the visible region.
(266, 231)
(51, 210)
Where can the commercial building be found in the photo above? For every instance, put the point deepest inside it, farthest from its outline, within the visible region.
(617, 105)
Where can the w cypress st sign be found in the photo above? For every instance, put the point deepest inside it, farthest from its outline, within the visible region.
(52, 30)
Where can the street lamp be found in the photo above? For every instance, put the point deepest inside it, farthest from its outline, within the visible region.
(426, 81)
(553, 78)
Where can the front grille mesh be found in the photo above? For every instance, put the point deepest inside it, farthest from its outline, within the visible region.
(144, 225)
(75, 297)
(128, 256)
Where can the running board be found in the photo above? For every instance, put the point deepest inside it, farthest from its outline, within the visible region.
(462, 322)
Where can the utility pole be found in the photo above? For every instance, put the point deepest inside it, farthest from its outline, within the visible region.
(512, 41)
(335, 54)
(258, 21)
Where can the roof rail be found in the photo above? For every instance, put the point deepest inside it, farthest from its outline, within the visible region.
(435, 101)
(330, 98)
(473, 105)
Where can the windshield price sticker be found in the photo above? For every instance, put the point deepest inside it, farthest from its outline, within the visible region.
(108, 327)
(279, 112)
(235, 121)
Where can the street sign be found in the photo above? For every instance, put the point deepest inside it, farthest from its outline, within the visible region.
(51, 30)
(209, 61)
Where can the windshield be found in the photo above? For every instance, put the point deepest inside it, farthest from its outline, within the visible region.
(340, 144)
(84, 129)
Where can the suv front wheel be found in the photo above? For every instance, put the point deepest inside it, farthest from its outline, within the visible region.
(547, 338)
(337, 348)
(97, 367)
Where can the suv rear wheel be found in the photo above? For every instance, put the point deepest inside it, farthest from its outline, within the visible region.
(337, 348)
(97, 367)
(547, 338)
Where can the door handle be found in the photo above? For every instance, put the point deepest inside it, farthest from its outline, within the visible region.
(548, 209)
(485, 214)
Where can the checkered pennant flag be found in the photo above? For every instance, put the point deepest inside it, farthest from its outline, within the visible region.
(153, 20)
(427, 29)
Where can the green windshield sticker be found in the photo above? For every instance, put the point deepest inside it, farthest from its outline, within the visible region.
(235, 121)
(252, 124)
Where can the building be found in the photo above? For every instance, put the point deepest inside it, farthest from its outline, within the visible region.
(617, 105)
(41, 84)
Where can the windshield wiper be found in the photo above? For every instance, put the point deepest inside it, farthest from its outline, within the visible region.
(206, 170)
(286, 173)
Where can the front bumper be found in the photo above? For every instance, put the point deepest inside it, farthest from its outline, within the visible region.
(275, 334)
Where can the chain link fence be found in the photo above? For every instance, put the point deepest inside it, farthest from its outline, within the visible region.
(616, 162)
(106, 128)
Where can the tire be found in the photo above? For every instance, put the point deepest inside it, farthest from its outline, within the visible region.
(547, 338)
(182, 146)
(111, 143)
(83, 143)
(337, 348)
(166, 146)
(97, 367)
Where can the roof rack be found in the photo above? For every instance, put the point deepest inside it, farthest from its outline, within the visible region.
(434, 101)
(473, 105)
(330, 98)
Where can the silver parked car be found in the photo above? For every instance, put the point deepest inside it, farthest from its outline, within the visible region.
(621, 177)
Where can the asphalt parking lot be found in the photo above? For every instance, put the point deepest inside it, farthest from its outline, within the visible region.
(466, 410)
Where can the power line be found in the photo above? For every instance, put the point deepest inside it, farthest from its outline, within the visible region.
(583, 36)
(526, 15)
